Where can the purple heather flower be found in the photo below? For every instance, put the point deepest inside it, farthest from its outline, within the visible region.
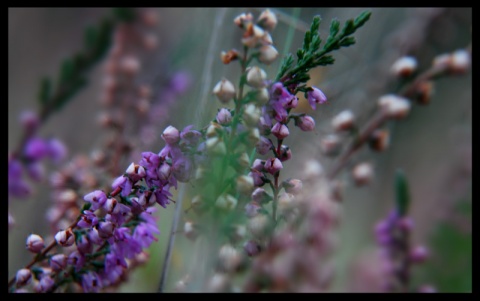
(88, 219)
(306, 123)
(144, 234)
(91, 282)
(125, 244)
(261, 196)
(280, 131)
(105, 229)
(315, 97)
(114, 274)
(36, 171)
(419, 254)
(76, 259)
(285, 153)
(164, 171)
(36, 149)
(45, 284)
(258, 164)
(58, 262)
(124, 183)
(119, 213)
(280, 113)
(182, 169)
(263, 145)
(162, 196)
(97, 198)
(251, 247)
(252, 208)
(84, 245)
(189, 136)
(150, 160)
(29, 120)
(113, 260)
(180, 82)
(23, 277)
(65, 238)
(273, 165)
(56, 150)
(94, 237)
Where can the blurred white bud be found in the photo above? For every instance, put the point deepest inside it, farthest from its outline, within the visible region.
(267, 20)
(224, 90)
(404, 66)
(226, 202)
(344, 121)
(268, 54)
(331, 145)
(396, 107)
(362, 173)
(256, 77)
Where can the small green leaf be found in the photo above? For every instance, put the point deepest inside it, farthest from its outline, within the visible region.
(402, 197)
(345, 42)
(91, 37)
(124, 14)
(348, 28)
(67, 71)
(300, 54)
(45, 90)
(362, 18)
(334, 27)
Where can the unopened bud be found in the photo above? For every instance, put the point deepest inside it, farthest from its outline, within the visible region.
(285, 153)
(424, 92)
(252, 248)
(242, 19)
(254, 135)
(395, 107)
(419, 254)
(29, 120)
(229, 56)
(130, 65)
(171, 135)
(224, 90)
(293, 186)
(313, 169)
(244, 184)
(268, 54)
(35, 243)
(379, 140)
(252, 209)
(362, 173)
(267, 20)
(190, 231)
(273, 165)
(224, 117)
(213, 130)
(58, 262)
(262, 96)
(344, 121)
(259, 225)
(23, 277)
(460, 61)
(218, 283)
(263, 145)
(256, 77)
(216, 146)
(226, 202)
(331, 145)
(280, 131)
(261, 196)
(404, 66)
(251, 115)
(252, 35)
(244, 160)
(229, 257)
(305, 123)
(65, 238)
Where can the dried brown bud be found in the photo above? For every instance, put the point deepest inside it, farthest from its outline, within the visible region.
(424, 91)
(379, 140)
(229, 56)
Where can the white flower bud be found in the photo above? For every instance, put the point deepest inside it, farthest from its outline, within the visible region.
(267, 20)
(243, 18)
(344, 121)
(251, 115)
(35, 243)
(268, 54)
(313, 169)
(226, 202)
(262, 96)
(218, 283)
(293, 186)
(254, 135)
(189, 230)
(256, 77)
(404, 66)
(460, 61)
(244, 184)
(244, 160)
(216, 146)
(259, 225)
(224, 90)
(395, 106)
(213, 129)
(362, 174)
(253, 35)
(130, 65)
(229, 257)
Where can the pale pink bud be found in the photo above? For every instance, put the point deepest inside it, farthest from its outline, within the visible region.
(293, 186)
(65, 238)
(419, 254)
(267, 20)
(330, 145)
(268, 54)
(362, 173)
(226, 202)
(130, 65)
(58, 262)
(306, 123)
(252, 248)
(252, 209)
(171, 135)
(23, 277)
(460, 61)
(224, 117)
(29, 120)
(344, 121)
(394, 106)
(229, 257)
(263, 145)
(404, 66)
(261, 196)
(280, 131)
(242, 19)
(190, 231)
(164, 171)
(224, 90)
(35, 243)
(244, 184)
(273, 165)
(256, 77)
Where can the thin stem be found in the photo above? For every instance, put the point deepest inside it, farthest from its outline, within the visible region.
(171, 240)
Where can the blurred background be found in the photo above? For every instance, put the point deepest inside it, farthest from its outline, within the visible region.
(433, 145)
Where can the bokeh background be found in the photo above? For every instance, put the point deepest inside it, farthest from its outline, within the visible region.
(433, 145)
